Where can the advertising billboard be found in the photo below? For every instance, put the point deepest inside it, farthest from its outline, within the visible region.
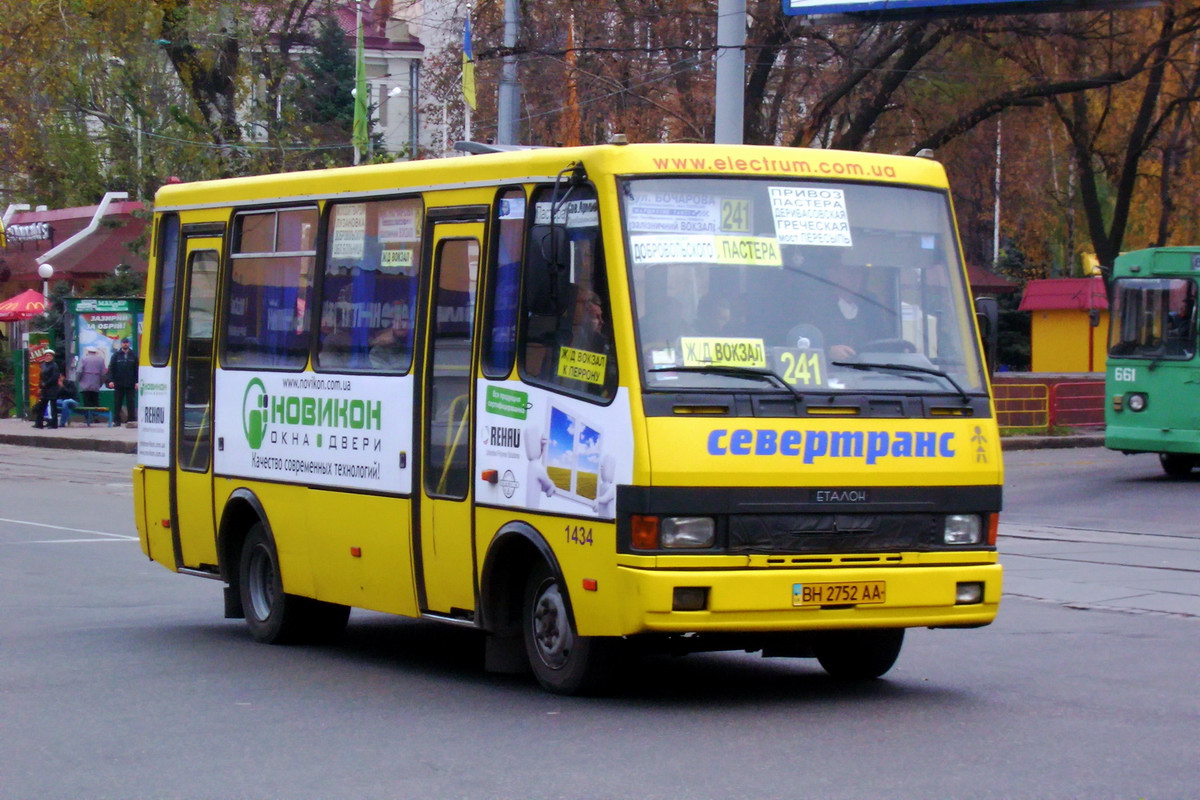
(906, 9)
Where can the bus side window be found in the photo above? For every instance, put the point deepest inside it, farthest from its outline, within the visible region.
(271, 285)
(164, 291)
(566, 333)
(503, 285)
(369, 286)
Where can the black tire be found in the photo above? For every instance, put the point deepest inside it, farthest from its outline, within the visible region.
(1177, 465)
(562, 661)
(858, 655)
(273, 616)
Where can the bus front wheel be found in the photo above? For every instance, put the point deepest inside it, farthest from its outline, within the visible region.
(858, 655)
(273, 616)
(1177, 465)
(562, 661)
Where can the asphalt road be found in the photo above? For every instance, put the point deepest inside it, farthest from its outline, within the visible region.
(1093, 529)
(121, 680)
(1097, 489)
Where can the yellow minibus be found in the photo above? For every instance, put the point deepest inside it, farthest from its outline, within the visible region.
(589, 401)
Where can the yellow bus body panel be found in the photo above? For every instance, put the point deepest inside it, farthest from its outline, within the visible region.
(596, 611)
(316, 533)
(194, 513)
(139, 507)
(287, 513)
(377, 528)
(157, 542)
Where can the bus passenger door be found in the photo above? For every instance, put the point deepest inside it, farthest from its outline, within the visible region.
(192, 506)
(445, 418)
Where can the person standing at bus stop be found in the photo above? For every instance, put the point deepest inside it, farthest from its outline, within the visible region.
(51, 379)
(91, 376)
(122, 379)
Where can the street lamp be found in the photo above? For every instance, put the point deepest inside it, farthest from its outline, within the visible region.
(46, 272)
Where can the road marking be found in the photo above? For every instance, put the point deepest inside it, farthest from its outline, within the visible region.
(77, 541)
(1097, 563)
(115, 536)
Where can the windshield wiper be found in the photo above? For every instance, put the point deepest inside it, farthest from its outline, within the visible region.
(864, 365)
(736, 372)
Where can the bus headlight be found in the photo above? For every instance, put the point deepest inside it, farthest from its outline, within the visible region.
(963, 529)
(1136, 401)
(688, 533)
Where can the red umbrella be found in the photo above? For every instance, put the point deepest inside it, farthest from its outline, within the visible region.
(24, 306)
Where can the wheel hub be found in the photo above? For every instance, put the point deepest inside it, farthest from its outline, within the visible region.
(551, 628)
(262, 583)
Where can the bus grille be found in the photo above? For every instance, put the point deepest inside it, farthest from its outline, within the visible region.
(832, 533)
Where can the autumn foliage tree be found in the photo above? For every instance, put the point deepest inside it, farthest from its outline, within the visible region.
(1076, 130)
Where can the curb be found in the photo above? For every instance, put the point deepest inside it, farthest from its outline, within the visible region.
(1051, 442)
(101, 445)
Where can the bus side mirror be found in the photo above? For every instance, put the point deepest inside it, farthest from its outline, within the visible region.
(987, 313)
(546, 271)
(556, 248)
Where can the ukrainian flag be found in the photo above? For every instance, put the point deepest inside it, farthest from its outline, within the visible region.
(361, 132)
(468, 69)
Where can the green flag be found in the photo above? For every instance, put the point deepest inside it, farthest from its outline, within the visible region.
(361, 134)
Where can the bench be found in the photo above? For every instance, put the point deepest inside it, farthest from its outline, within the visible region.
(87, 412)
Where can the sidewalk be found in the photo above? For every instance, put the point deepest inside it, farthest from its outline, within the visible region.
(1091, 437)
(124, 440)
(76, 436)
(1135, 573)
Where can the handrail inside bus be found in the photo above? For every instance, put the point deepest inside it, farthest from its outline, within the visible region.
(461, 400)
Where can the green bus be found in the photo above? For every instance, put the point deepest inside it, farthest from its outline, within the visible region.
(1153, 377)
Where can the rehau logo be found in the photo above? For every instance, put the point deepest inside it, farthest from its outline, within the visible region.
(498, 436)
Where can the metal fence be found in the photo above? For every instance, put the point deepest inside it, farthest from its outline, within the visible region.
(1022, 405)
(1040, 405)
(1075, 405)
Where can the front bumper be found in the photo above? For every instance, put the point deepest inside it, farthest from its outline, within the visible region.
(1146, 439)
(760, 600)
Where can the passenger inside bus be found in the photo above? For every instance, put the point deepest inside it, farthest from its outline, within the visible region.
(660, 328)
(842, 313)
(714, 315)
(577, 320)
(587, 324)
(854, 317)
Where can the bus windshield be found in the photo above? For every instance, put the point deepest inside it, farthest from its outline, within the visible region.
(1153, 318)
(828, 287)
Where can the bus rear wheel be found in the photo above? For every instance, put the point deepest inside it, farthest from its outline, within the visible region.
(856, 655)
(273, 616)
(1177, 465)
(562, 661)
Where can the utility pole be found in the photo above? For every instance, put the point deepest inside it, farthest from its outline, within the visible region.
(731, 71)
(996, 200)
(510, 89)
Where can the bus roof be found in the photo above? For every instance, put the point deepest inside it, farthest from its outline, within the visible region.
(541, 164)
(1159, 261)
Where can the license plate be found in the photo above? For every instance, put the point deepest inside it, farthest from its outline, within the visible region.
(838, 594)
